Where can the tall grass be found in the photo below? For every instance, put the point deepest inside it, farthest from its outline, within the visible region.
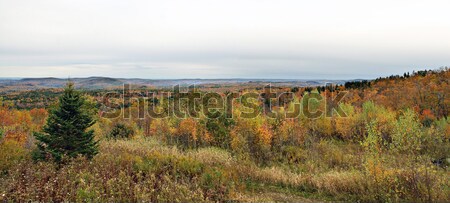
(146, 169)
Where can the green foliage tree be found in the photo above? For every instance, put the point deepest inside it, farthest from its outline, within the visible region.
(66, 133)
(220, 130)
(408, 134)
(121, 131)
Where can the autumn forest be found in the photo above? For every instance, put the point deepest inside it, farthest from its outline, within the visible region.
(383, 140)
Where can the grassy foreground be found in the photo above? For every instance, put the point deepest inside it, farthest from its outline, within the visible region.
(144, 169)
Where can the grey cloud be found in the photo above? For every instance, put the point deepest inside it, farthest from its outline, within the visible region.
(228, 39)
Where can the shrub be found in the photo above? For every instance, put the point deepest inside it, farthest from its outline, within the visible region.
(408, 135)
(384, 118)
(161, 128)
(186, 134)
(121, 131)
(219, 129)
(11, 152)
(216, 184)
(292, 155)
(335, 154)
(252, 139)
(347, 127)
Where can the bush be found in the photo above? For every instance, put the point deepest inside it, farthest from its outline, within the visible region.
(382, 116)
(215, 184)
(121, 131)
(408, 135)
(11, 152)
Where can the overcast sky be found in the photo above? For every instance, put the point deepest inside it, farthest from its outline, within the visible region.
(222, 38)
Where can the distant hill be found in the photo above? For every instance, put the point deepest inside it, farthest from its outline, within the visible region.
(13, 84)
(98, 82)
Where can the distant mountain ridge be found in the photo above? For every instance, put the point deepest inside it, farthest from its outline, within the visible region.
(97, 82)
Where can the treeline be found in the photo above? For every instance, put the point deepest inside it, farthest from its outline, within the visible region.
(367, 83)
(357, 84)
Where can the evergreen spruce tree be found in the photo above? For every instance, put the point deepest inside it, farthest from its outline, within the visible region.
(65, 135)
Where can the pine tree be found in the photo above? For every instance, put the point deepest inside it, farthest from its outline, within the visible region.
(65, 135)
